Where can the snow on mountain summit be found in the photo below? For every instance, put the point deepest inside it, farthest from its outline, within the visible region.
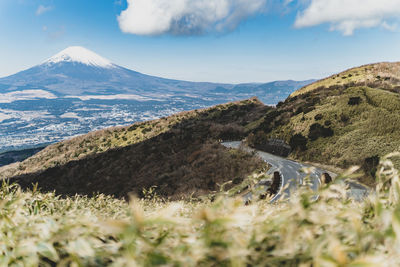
(81, 55)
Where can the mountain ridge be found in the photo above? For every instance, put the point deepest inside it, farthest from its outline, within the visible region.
(153, 153)
(77, 91)
(339, 125)
(77, 70)
(384, 73)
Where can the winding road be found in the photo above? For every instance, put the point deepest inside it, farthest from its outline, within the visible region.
(292, 174)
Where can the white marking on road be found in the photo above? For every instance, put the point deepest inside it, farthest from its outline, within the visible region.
(280, 164)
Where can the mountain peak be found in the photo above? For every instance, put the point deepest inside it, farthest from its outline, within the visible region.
(81, 55)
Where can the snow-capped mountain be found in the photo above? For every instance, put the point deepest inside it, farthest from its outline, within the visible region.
(77, 91)
(78, 54)
(79, 71)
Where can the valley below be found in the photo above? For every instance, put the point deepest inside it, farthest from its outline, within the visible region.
(28, 123)
(78, 91)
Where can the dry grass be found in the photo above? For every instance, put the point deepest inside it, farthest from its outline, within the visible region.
(42, 229)
(385, 73)
(113, 138)
(180, 155)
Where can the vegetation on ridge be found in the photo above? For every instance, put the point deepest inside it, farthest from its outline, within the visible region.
(180, 155)
(351, 118)
(384, 75)
(353, 122)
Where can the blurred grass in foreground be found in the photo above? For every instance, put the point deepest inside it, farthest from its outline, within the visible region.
(43, 229)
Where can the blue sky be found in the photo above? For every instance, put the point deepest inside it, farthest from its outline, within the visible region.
(272, 40)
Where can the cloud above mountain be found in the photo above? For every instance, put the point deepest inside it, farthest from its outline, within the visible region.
(196, 17)
(186, 17)
(43, 9)
(348, 15)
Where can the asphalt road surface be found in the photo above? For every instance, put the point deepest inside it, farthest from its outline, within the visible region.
(292, 175)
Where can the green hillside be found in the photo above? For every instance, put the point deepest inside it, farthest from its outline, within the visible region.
(384, 75)
(340, 124)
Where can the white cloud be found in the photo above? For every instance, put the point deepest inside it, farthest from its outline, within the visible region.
(390, 27)
(43, 9)
(348, 15)
(186, 17)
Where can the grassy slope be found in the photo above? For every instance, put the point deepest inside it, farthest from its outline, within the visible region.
(387, 74)
(370, 128)
(178, 154)
(373, 127)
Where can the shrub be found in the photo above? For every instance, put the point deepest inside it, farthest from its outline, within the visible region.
(317, 130)
(370, 165)
(146, 130)
(298, 110)
(298, 141)
(229, 131)
(308, 109)
(353, 101)
(237, 180)
(318, 117)
(133, 127)
(258, 139)
(344, 117)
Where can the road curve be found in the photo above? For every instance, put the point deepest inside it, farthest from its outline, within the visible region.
(292, 174)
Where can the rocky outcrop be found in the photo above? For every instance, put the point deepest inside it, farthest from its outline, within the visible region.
(277, 147)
